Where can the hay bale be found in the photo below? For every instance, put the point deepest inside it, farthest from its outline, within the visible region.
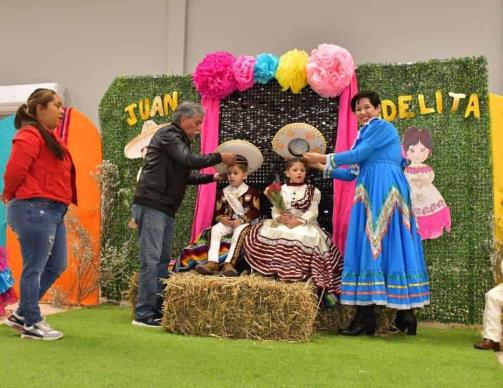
(226, 290)
(341, 316)
(132, 291)
(251, 307)
(498, 258)
(385, 317)
(329, 319)
(335, 318)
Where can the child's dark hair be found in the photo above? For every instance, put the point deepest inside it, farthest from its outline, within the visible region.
(291, 162)
(414, 135)
(373, 97)
(240, 163)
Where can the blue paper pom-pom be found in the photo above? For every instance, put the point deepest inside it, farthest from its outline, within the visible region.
(265, 67)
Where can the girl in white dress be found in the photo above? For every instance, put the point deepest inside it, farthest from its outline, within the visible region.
(292, 246)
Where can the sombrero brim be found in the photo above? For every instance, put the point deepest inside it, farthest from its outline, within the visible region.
(132, 150)
(243, 148)
(299, 137)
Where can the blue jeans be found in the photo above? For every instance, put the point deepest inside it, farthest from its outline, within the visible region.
(40, 228)
(155, 233)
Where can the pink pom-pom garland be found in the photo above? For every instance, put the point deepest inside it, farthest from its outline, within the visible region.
(243, 70)
(214, 76)
(329, 70)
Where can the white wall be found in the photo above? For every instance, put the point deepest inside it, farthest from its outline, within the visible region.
(85, 44)
(82, 45)
(373, 31)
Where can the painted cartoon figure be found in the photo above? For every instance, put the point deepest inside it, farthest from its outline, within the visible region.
(432, 213)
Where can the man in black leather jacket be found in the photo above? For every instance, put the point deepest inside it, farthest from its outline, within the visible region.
(159, 193)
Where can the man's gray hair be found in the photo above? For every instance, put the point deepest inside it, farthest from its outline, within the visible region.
(187, 109)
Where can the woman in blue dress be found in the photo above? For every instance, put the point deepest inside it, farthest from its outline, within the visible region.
(383, 261)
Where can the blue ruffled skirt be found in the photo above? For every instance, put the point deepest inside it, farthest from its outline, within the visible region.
(383, 260)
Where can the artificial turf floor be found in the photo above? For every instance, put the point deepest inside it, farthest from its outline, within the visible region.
(102, 349)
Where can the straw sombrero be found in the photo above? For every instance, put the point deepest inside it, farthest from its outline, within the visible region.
(244, 148)
(132, 150)
(295, 139)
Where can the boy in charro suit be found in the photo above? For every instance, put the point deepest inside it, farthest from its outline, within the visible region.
(236, 206)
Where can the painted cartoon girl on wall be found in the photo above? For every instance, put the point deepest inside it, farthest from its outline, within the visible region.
(432, 213)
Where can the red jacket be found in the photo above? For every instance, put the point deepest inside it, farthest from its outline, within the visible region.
(33, 171)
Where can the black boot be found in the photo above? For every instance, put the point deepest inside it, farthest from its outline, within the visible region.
(364, 322)
(406, 321)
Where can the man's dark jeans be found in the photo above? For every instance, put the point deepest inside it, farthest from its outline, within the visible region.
(155, 233)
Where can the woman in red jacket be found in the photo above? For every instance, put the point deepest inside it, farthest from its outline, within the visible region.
(39, 186)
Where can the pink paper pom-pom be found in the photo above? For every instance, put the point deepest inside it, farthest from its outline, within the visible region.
(243, 72)
(213, 76)
(329, 70)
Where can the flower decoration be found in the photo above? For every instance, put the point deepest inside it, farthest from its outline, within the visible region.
(329, 70)
(291, 72)
(265, 67)
(273, 188)
(273, 194)
(214, 76)
(243, 70)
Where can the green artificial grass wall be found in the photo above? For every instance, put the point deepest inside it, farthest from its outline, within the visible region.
(126, 105)
(459, 263)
